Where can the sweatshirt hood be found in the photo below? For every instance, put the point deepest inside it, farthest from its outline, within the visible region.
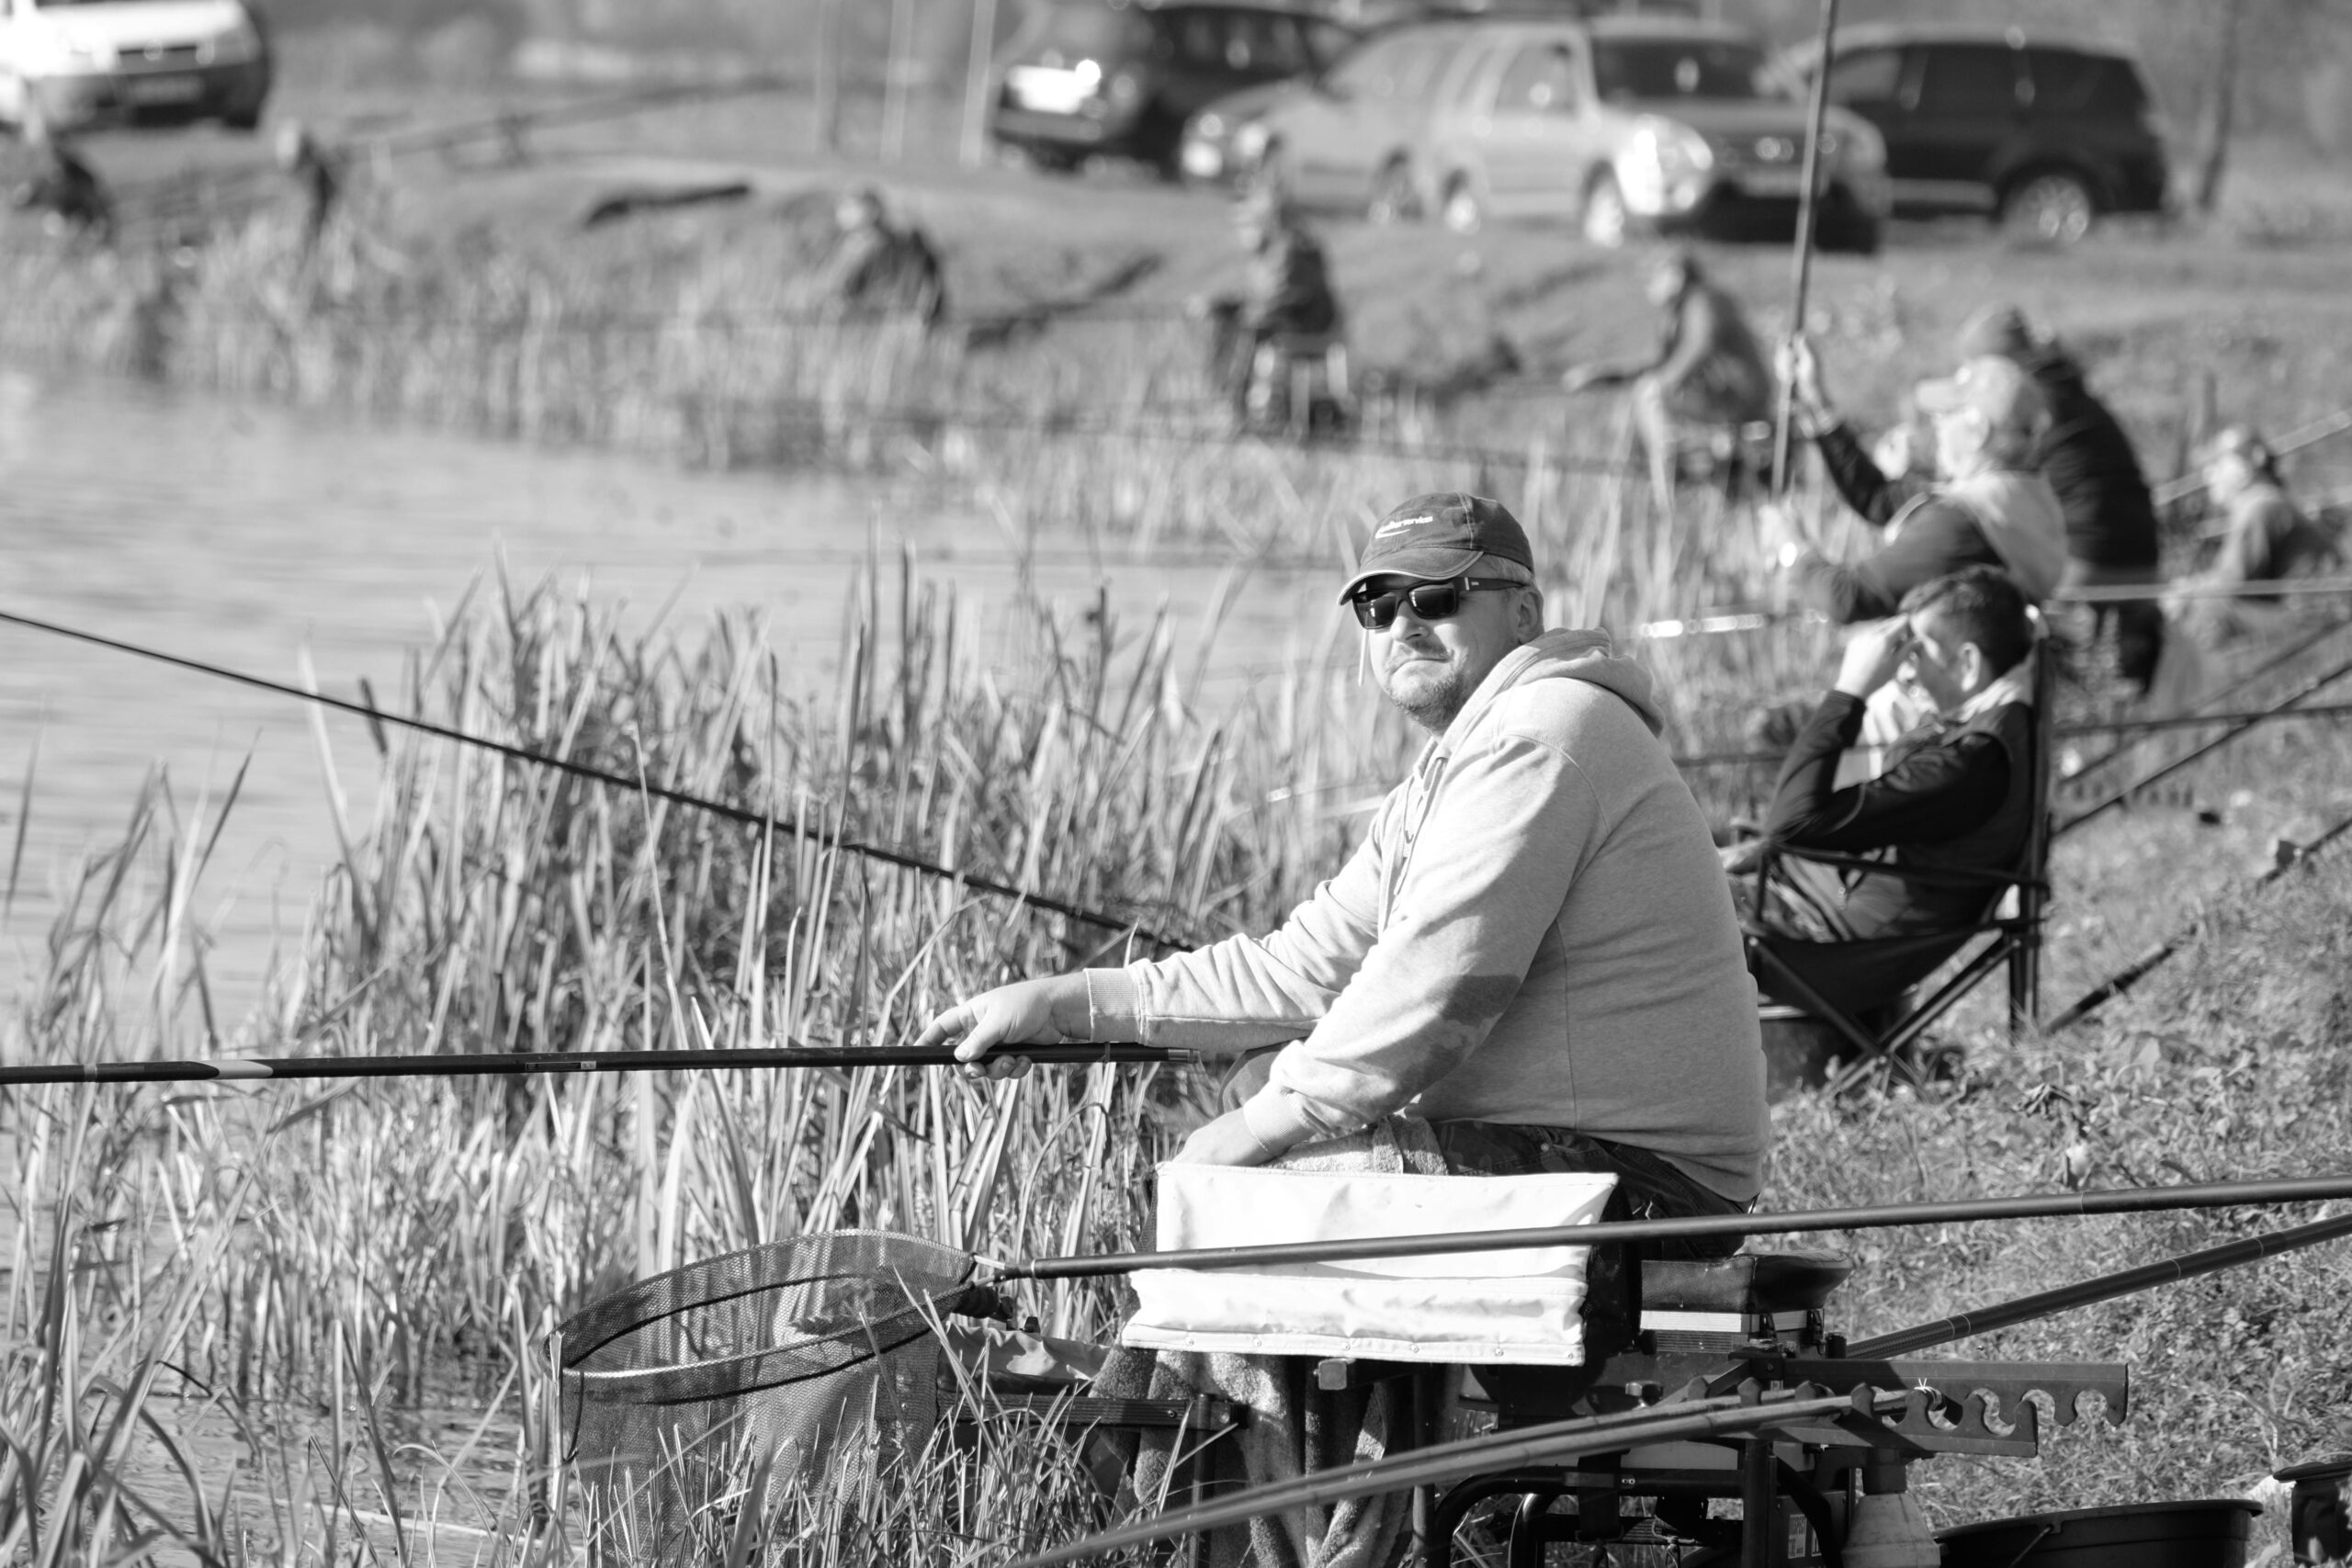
(1563, 655)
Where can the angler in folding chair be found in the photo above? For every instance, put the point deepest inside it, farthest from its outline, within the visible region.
(1862, 893)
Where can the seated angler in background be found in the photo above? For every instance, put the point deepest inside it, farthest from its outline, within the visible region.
(1708, 372)
(2089, 459)
(1986, 506)
(1956, 794)
(2266, 537)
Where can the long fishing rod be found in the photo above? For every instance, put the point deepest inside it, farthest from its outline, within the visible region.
(2063, 732)
(2310, 435)
(1725, 1415)
(2024, 1206)
(766, 821)
(2103, 1288)
(2285, 706)
(2138, 969)
(1808, 211)
(454, 1064)
(2284, 656)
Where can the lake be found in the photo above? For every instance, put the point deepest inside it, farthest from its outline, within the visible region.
(248, 536)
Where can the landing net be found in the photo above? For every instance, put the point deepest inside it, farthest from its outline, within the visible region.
(813, 1352)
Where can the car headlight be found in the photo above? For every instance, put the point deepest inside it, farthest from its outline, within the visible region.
(1249, 141)
(69, 51)
(1865, 149)
(1663, 165)
(240, 42)
(1208, 126)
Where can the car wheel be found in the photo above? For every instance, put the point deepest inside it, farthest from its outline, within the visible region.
(1853, 237)
(1053, 160)
(1462, 211)
(2051, 208)
(1395, 198)
(1605, 222)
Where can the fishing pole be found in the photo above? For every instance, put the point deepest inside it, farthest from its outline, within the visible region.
(2062, 732)
(2103, 1287)
(2285, 706)
(493, 1064)
(765, 821)
(2022, 1206)
(2132, 974)
(2310, 435)
(1808, 207)
(2283, 656)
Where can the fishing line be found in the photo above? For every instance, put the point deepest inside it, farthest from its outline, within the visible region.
(766, 821)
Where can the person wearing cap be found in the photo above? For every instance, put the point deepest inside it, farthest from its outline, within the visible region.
(879, 266)
(1956, 793)
(1708, 371)
(1285, 305)
(2089, 462)
(1986, 507)
(1533, 946)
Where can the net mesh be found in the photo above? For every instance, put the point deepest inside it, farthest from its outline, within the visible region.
(816, 1351)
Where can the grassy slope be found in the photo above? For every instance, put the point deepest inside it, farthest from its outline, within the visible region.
(2228, 1064)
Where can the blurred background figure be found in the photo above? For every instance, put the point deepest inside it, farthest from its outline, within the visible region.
(316, 178)
(1708, 378)
(881, 266)
(2265, 536)
(2089, 462)
(1285, 318)
(59, 188)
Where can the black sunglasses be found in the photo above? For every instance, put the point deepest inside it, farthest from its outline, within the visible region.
(1428, 601)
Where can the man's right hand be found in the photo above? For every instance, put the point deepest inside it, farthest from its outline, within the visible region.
(1872, 656)
(1027, 1013)
(1801, 368)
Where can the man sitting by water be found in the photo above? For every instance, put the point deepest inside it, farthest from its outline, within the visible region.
(1957, 793)
(1531, 963)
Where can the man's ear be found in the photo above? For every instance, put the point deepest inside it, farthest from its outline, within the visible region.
(1527, 613)
(1975, 670)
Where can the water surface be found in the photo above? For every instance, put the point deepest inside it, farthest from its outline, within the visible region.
(248, 536)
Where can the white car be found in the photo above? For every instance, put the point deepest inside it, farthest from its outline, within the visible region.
(69, 63)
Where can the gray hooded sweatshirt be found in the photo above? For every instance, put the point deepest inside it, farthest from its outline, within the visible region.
(1536, 932)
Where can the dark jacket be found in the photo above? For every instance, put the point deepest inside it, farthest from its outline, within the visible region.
(2089, 460)
(1289, 289)
(1951, 796)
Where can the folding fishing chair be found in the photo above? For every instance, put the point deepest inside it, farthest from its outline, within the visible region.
(1882, 1018)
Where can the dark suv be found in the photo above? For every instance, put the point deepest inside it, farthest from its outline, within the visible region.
(2044, 136)
(1122, 76)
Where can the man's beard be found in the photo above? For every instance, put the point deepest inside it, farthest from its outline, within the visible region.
(1434, 708)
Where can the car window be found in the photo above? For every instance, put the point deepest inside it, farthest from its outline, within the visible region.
(1201, 39)
(1625, 69)
(1399, 67)
(1866, 76)
(2067, 83)
(1541, 79)
(1371, 70)
(1092, 32)
(1325, 41)
(1969, 79)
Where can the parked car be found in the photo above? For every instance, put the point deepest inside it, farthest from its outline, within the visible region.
(76, 62)
(1121, 77)
(1619, 123)
(2044, 136)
